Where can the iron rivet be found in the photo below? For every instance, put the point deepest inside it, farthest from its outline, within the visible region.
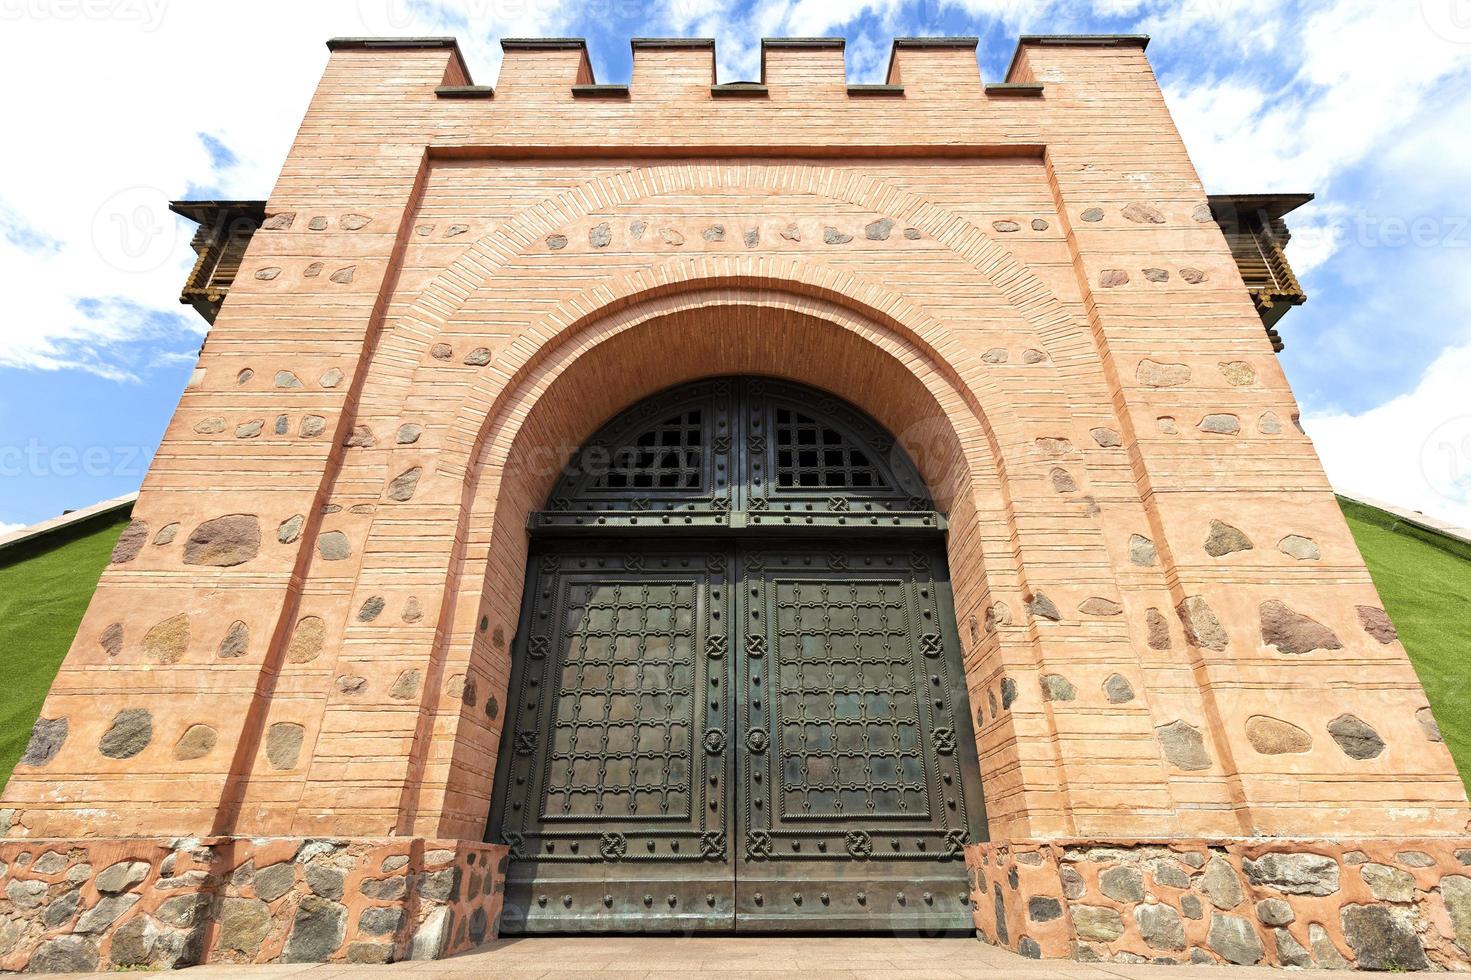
(929, 899)
(863, 898)
(673, 901)
(650, 845)
(674, 845)
(648, 899)
(824, 898)
(567, 901)
(608, 901)
(797, 897)
(902, 899)
(542, 901)
(759, 899)
(710, 899)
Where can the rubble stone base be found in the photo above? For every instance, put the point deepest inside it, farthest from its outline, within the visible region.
(1400, 904)
(106, 904)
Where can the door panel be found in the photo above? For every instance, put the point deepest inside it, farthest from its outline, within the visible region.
(852, 799)
(613, 793)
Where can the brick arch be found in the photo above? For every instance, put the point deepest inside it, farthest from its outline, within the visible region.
(650, 341)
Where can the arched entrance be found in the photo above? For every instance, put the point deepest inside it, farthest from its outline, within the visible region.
(737, 699)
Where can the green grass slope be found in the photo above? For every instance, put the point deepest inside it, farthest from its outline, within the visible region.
(1424, 579)
(45, 586)
(1425, 582)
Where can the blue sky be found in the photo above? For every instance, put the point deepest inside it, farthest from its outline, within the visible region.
(1366, 103)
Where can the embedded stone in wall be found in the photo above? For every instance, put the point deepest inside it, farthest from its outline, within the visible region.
(995, 355)
(1062, 481)
(1041, 607)
(833, 236)
(371, 609)
(1221, 424)
(224, 542)
(362, 437)
(197, 742)
(283, 745)
(236, 641)
(1157, 374)
(131, 731)
(1273, 736)
(1224, 539)
(286, 379)
(1118, 690)
(1298, 547)
(111, 640)
(556, 242)
(64, 954)
(1053, 446)
(441, 352)
(1159, 630)
(1183, 745)
(1388, 884)
(210, 426)
(600, 235)
(1009, 692)
(1099, 606)
(1355, 737)
(1142, 551)
(1382, 938)
(409, 433)
(1300, 873)
(1430, 727)
(1006, 226)
(1033, 356)
(48, 735)
(130, 542)
(1092, 214)
(279, 222)
(1292, 632)
(1202, 628)
(1123, 884)
(1039, 224)
(313, 270)
(402, 487)
(248, 430)
(1269, 424)
(1110, 278)
(1238, 373)
(1235, 939)
(344, 275)
(1143, 214)
(407, 685)
(268, 273)
(792, 233)
(1161, 927)
(1156, 275)
(1166, 425)
(307, 640)
(1376, 623)
(166, 535)
(311, 426)
(455, 231)
(1056, 687)
(671, 236)
(290, 529)
(333, 546)
(479, 357)
(244, 924)
(168, 641)
(351, 684)
(878, 231)
(1455, 891)
(1193, 276)
(413, 610)
(751, 238)
(1106, 438)
(1097, 923)
(714, 233)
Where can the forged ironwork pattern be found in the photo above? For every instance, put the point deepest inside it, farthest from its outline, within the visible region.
(811, 454)
(625, 706)
(668, 456)
(850, 732)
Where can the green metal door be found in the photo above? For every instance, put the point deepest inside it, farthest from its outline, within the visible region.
(737, 701)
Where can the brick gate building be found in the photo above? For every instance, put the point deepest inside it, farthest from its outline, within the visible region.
(860, 506)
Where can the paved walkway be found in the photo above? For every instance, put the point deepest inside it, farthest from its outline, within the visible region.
(760, 958)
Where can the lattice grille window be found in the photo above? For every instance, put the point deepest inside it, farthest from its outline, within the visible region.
(812, 455)
(666, 457)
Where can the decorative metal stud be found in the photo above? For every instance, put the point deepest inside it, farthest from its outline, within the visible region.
(859, 843)
(714, 741)
(756, 740)
(758, 844)
(612, 846)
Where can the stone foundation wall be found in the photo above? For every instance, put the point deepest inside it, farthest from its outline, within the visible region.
(106, 904)
(1374, 905)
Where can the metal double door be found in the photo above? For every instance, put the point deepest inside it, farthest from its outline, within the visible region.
(749, 736)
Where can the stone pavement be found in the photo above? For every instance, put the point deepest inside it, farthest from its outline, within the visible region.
(757, 957)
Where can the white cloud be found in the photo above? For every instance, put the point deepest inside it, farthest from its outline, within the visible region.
(1414, 450)
(103, 126)
(8, 528)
